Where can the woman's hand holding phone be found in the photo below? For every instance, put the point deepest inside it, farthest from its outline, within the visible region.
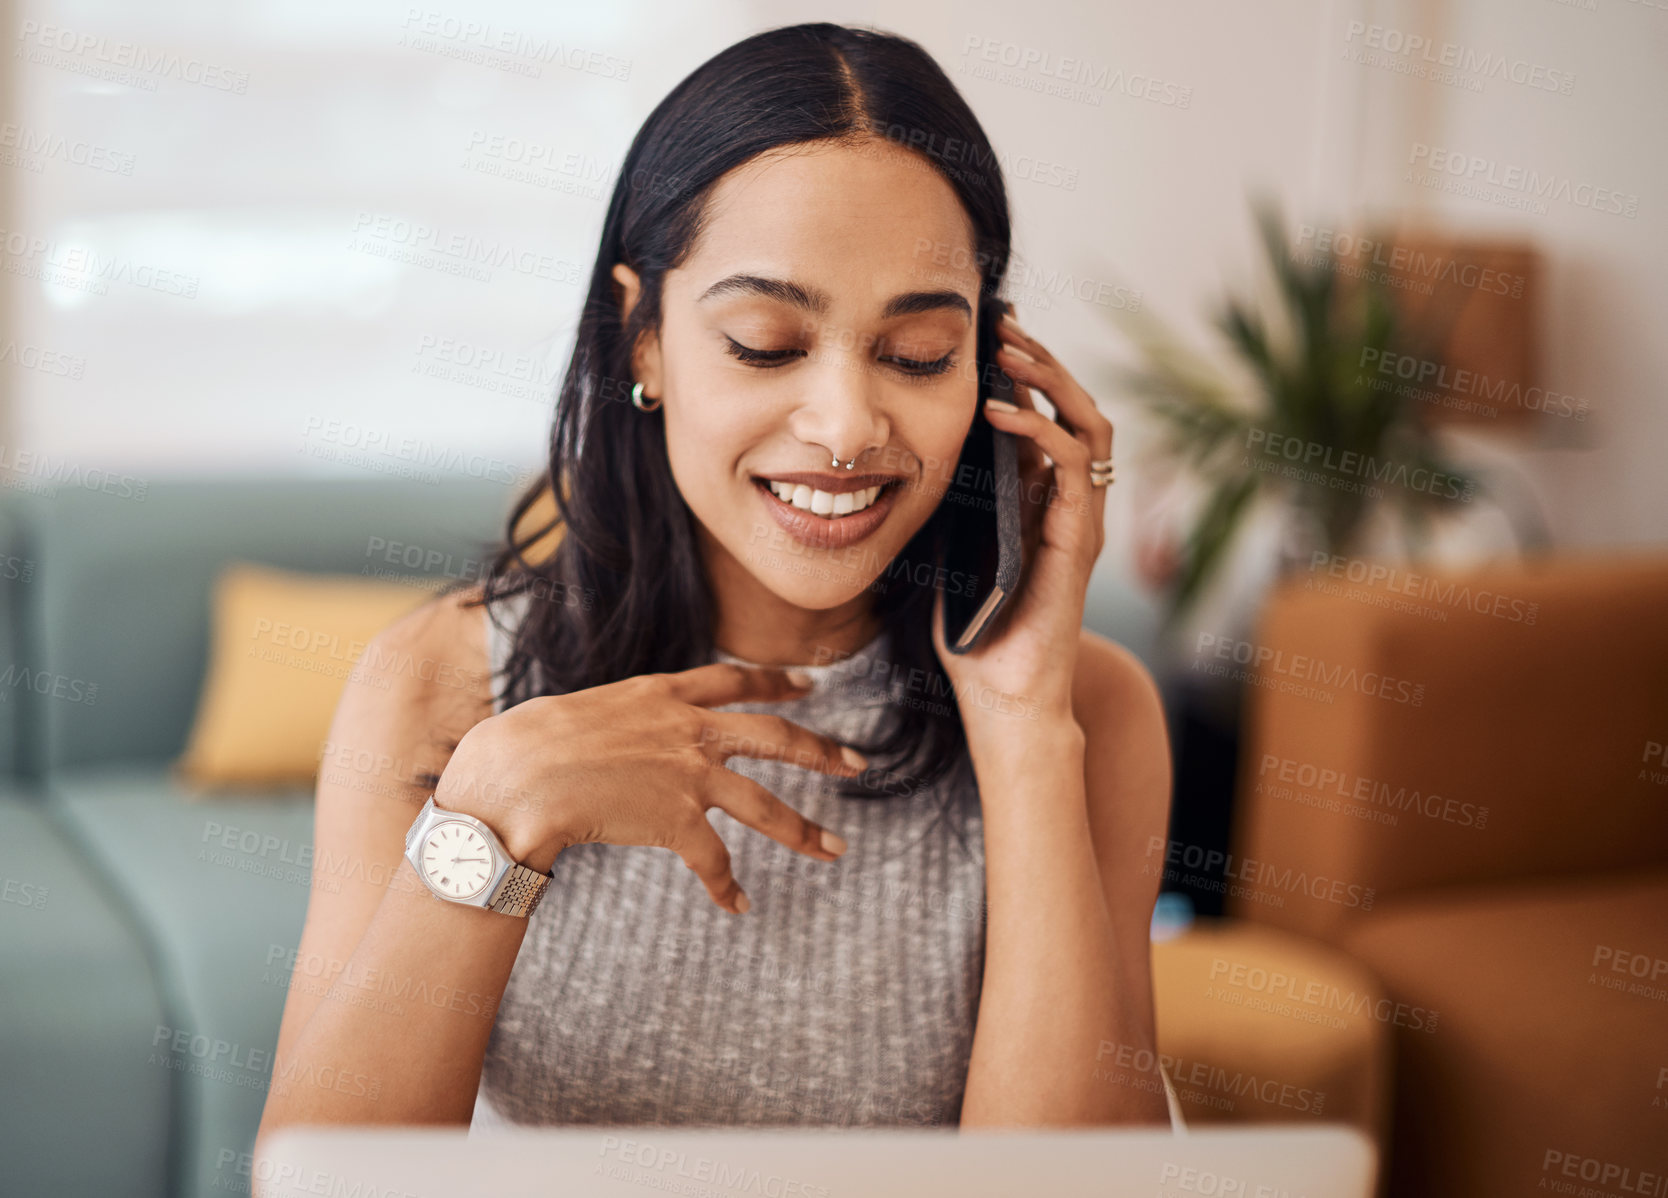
(640, 762)
(1026, 659)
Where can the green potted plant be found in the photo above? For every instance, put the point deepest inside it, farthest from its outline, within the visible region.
(1317, 429)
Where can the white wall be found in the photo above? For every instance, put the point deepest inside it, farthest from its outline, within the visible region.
(1606, 309)
(298, 340)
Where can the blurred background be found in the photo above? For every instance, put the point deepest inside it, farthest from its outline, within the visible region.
(1374, 293)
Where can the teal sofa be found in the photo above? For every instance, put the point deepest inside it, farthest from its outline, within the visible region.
(143, 964)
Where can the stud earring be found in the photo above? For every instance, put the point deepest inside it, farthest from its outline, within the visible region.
(637, 399)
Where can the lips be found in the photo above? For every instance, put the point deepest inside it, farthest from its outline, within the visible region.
(830, 531)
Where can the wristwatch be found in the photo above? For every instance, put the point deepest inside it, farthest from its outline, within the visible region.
(462, 860)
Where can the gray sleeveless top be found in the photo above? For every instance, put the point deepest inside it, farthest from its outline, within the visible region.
(846, 995)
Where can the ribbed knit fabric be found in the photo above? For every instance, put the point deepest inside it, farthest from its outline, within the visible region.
(846, 996)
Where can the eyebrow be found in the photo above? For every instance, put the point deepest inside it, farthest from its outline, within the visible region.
(817, 302)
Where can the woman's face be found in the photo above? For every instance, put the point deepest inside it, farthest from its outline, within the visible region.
(827, 312)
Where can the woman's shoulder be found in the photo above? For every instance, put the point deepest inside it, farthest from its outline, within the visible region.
(429, 668)
(1108, 678)
(1120, 708)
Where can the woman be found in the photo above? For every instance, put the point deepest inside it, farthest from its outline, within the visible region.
(734, 654)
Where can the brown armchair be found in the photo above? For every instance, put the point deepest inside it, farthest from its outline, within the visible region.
(1461, 780)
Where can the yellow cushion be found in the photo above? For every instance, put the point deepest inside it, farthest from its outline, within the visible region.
(1256, 1024)
(283, 645)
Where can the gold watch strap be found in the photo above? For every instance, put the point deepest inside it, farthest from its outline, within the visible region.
(520, 891)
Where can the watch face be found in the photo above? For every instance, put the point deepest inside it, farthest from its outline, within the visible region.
(457, 861)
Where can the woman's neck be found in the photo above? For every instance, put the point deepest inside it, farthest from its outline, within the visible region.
(755, 624)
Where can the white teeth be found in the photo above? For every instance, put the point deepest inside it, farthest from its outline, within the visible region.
(825, 503)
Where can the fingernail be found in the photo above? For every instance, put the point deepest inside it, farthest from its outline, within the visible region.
(853, 758)
(742, 902)
(832, 843)
(800, 678)
(1001, 405)
(1010, 318)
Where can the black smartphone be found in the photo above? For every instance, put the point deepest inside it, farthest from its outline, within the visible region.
(983, 554)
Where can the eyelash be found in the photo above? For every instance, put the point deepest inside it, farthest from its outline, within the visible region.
(770, 358)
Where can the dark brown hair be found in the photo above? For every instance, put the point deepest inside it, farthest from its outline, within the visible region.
(625, 590)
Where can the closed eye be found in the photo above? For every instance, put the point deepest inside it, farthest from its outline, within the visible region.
(769, 358)
(760, 357)
(912, 366)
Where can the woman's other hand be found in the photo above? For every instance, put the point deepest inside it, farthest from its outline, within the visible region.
(640, 762)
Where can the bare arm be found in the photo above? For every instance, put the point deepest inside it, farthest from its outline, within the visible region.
(1065, 1035)
(393, 994)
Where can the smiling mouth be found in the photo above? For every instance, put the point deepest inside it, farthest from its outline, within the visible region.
(828, 505)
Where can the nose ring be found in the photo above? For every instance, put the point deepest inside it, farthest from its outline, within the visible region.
(849, 464)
